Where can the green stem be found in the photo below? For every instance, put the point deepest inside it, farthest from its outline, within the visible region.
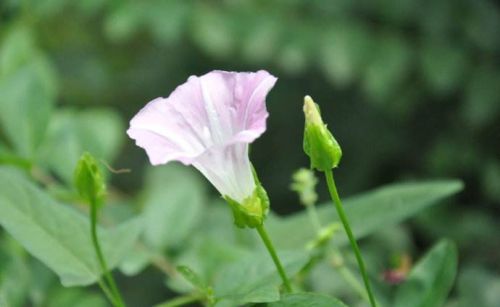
(313, 217)
(270, 248)
(340, 210)
(117, 301)
(106, 291)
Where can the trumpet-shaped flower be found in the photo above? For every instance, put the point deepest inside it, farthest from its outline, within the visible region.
(208, 122)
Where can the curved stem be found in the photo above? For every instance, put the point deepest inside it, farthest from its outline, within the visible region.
(269, 245)
(343, 218)
(118, 301)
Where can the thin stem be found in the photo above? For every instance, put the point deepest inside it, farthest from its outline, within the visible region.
(340, 210)
(270, 248)
(313, 217)
(351, 280)
(118, 301)
(106, 291)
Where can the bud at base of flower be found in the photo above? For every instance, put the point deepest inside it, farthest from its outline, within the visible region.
(89, 180)
(319, 144)
(252, 211)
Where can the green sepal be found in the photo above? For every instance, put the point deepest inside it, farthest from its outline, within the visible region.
(89, 181)
(319, 144)
(253, 210)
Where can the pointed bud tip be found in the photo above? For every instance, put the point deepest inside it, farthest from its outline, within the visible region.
(311, 111)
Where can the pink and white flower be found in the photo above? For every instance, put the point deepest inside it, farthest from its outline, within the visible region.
(208, 122)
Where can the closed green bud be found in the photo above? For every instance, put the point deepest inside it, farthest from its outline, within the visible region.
(89, 180)
(319, 144)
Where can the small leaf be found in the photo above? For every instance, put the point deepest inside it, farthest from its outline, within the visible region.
(58, 235)
(431, 278)
(307, 299)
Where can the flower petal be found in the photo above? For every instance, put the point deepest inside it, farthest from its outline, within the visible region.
(243, 106)
(215, 109)
(229, 170)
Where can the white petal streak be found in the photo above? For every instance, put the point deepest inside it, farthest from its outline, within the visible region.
(216, 128)
(229, 170)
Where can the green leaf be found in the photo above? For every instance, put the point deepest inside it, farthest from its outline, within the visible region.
(58, 235)
(15, 276)
(254, 279)
(98, 131)
(196, 281)
(367, 212)
(173, 205)
(76, 298)
(216, 244)
(192, 277)
(27, 92)
(431, 278)
(307, 299)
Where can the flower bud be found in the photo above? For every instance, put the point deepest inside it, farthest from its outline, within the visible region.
(319, 144)
(89, 180)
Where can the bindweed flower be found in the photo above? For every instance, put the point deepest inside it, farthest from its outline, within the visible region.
(319, 144)
(208, 123)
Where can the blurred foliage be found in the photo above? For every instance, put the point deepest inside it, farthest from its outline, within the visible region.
(409, 87)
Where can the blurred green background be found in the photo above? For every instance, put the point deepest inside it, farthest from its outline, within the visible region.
(411, 90)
